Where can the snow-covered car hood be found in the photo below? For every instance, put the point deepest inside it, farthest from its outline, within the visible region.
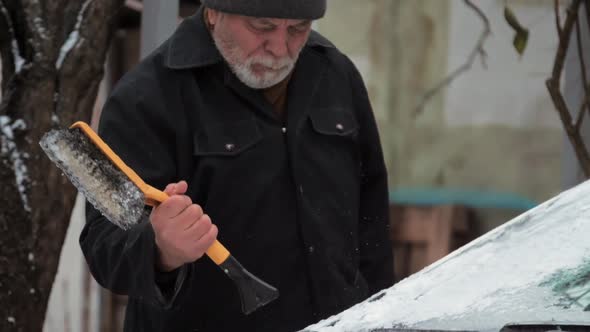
(534, 268)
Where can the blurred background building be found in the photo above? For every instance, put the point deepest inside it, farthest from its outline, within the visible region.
(470, 157)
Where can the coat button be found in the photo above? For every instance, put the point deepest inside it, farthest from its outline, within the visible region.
(339, 126)
(230, 147)
(311, 249)
(284, 129)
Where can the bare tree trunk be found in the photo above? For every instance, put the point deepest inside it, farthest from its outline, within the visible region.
(52, 60)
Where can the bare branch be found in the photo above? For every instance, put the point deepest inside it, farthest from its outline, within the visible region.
(5, 53)
(580, 118)
(16, 60)
(478, 50)
(574, 136)
(564, 40)
(585, 103)
(582, 61)
(557, 17)
(553, 85)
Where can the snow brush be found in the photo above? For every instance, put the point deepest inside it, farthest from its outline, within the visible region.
(121, 196)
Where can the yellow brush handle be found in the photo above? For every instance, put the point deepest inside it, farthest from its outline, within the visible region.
(217, 252)
(153, 196)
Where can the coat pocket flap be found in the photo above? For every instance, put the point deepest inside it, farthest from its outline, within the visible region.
(227, 139)
(333, 122)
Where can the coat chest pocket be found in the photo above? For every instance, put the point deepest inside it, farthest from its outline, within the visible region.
(334, 122)
(333, 146)
(226, 140)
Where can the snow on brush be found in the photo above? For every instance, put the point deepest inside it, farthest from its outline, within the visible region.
(534, 268)
(107, 188)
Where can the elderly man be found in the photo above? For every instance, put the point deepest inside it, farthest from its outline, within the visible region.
(262, 133)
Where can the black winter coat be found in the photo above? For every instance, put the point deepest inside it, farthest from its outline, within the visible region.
(302, 205)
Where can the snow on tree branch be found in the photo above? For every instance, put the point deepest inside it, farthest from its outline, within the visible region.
(38, 23)
(19, 61)
(8, 147)
(73, 37)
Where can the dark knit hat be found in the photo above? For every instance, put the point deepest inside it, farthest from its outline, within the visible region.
(293, 9)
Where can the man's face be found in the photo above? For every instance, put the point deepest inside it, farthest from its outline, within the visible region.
(260, 51)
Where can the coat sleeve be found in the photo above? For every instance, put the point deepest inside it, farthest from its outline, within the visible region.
(124, 261)
(376, 261)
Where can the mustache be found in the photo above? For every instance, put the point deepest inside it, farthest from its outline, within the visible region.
(272, 63)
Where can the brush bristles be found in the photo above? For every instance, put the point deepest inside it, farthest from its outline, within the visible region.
(107, 188)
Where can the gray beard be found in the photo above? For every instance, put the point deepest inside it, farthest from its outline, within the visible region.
(242, 69)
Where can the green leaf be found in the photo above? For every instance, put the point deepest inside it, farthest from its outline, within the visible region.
(521, 36)
(520, 41)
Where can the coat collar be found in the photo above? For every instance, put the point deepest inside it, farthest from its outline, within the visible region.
(191, 45)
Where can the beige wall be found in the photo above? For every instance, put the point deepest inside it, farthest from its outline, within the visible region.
(493, 129)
